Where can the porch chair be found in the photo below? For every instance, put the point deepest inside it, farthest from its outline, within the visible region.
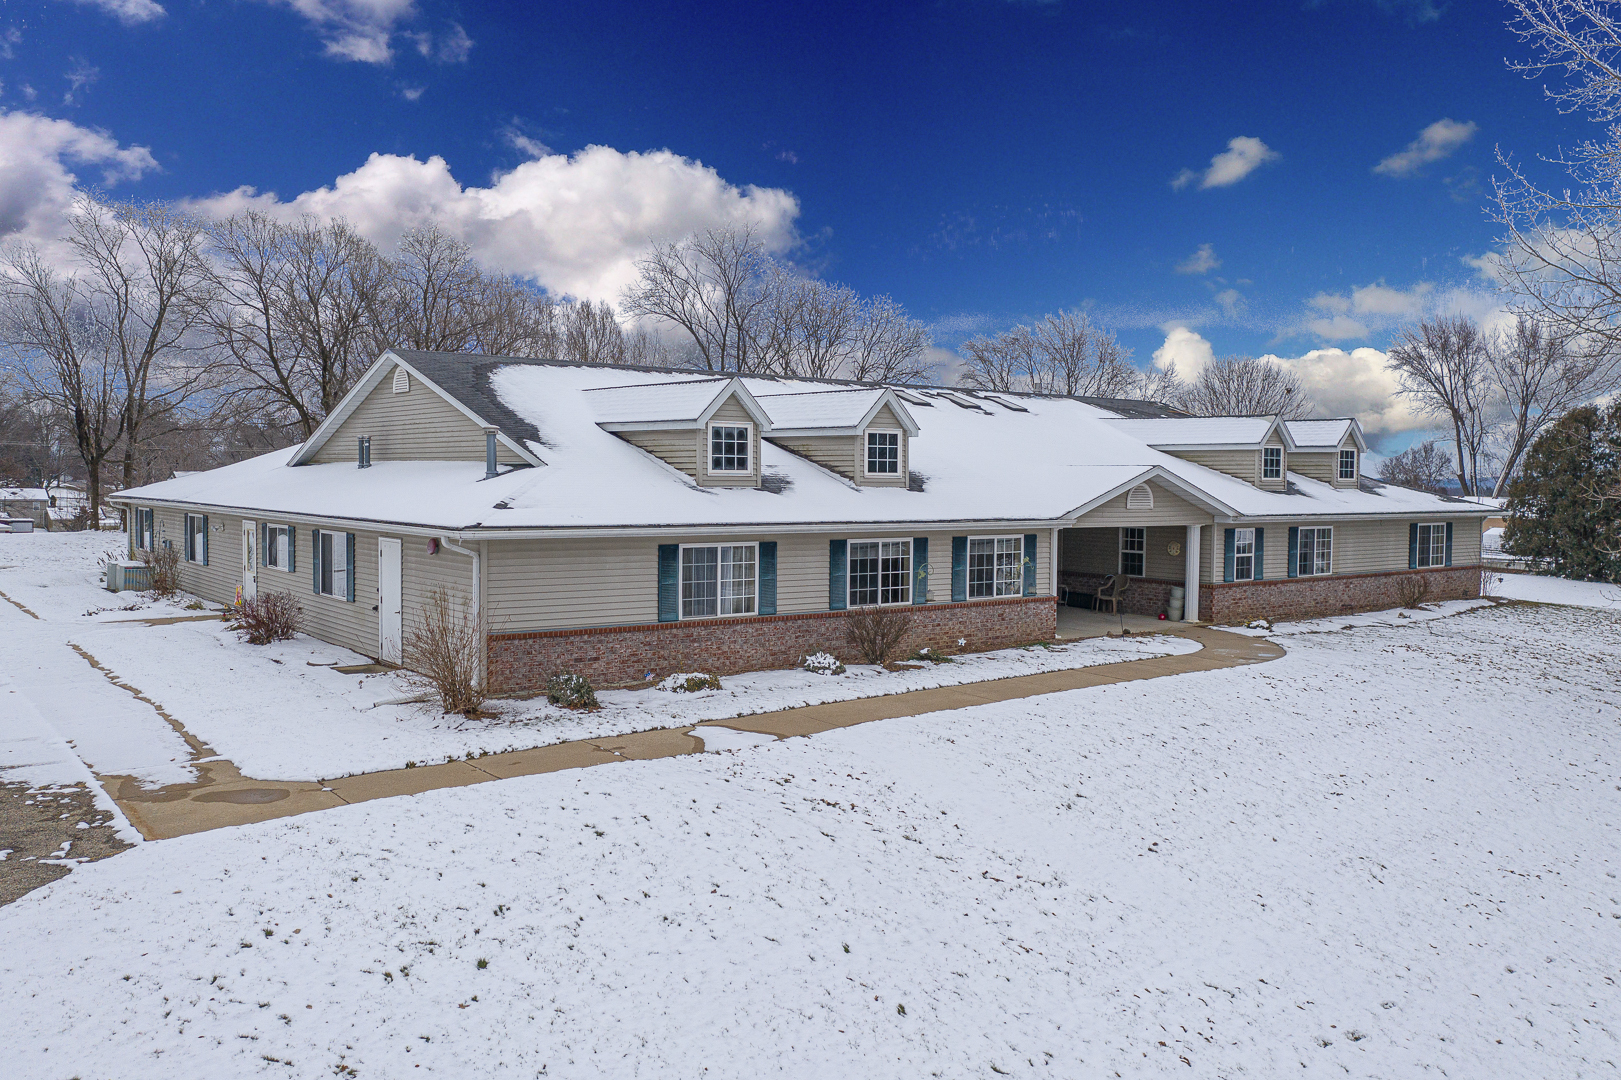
(1109, 593)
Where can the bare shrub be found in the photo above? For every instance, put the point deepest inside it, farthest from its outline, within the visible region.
(1489, 582)
(690, 682)
(443, 650)
(571, 691)
(1413, 589)
(162, 571)
(270, 616)
(876, 632)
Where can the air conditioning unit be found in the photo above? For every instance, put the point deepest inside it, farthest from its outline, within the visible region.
(127, 576)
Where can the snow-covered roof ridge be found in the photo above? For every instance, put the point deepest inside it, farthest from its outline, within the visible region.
(1324, 434)
(673, 402)
(1203, 432)
(831, 410)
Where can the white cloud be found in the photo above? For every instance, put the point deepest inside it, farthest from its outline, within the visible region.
(451, 47)
(81, 77)
(36, 181)
(1243, 156)
(574, 225)
(128, 12)
(1184, 348)
(355, 29)
(1232, 302)
(1338, 328)
(1358, 383)
(1435, 142)
(1200, 262)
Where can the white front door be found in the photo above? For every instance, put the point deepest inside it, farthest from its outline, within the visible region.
(389, 621)
(250, 542)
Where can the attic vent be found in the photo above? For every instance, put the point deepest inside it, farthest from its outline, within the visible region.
(402, 381)
(1140, 497)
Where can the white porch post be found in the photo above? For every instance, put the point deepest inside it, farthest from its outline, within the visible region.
(1190, 604)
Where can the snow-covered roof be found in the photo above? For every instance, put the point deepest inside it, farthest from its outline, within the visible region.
(1188, 432)
(679, 401)
(1043, 466)
(24, 494)
(821, 408)
(1323, 434)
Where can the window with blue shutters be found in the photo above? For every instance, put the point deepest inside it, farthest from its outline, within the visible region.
(838, 575)
(1428, 545)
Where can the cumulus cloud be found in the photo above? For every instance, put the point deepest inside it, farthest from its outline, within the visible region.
(1184, 348)
(1435, 142)
(1200, 262)
(355, 29)
(37, 155)
(1243, 156)
(128, 12)
(573, 224)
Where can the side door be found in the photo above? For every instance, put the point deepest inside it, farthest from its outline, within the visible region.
(390, 623)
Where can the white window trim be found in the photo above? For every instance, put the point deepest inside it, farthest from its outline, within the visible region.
(1019, 590)
(1120, 551)
(680, 566)
(709, 450)
(900, 453)
(1281, 463)
(1426, 551)
(1339, 464)
(1238, 539)
(340, 578)
(190, 549)
(270, 544)
(1316, 529)
(849, 577)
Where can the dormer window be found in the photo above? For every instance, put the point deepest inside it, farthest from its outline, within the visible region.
(729, 448)
(883, 453)
(1271, 462)
(1347, 464)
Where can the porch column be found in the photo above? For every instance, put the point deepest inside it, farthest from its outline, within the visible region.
(1190, 604)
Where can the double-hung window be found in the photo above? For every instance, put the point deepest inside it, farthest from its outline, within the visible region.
(1347, 464)
(1243, 554)
(995, 566)
(278, 547)
(880, 572)
(334, 555)
(1133, 552)
(718, 579)
(1432, 544)
(196, 538)
(1316, 554)
(1271, 463)
(143, 530)
(729, 448)
(883, 453)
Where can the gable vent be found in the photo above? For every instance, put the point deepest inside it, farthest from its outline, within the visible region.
(1140, 497)
(402, 381)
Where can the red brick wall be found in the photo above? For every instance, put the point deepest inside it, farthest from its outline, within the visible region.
(623, 654)
(1144, 596)
(1308, 597)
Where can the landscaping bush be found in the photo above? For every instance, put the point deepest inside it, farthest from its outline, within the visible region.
(1413, 589)
(690, 682)
(162, 571)
(571, 691)
(876, 632)
(930, 656)
(270, 616)
(822, 663)
(442, 649)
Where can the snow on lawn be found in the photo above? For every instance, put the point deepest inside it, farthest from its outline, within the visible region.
(1392, 852)
(1551, 590)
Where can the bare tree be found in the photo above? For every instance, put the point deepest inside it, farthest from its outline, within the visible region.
(1246, 386)
(1423, 467)
(715, 287)
(1536, 378)
(890, 345)
(1444, 365)
(590, 334)
(999, 363)
(809, 327)
(1073, 357)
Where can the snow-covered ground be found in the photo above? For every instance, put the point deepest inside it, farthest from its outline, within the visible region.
(1549, 590)
(282, 712)
(1393, 852)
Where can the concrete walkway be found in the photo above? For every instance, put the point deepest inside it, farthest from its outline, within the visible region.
(222, 796)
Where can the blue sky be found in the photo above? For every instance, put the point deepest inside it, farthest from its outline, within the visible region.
(982, 161)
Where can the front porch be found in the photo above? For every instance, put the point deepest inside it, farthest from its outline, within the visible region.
(1151, 560)
(1076, 623)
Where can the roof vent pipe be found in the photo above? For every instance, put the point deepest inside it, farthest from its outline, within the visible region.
(489, 453)
(363, 452)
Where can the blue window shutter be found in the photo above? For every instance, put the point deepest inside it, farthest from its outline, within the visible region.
(349, 560)
(920, 569)
(1230, 546)
(1449, 543)
(315, 558)
(264, 535)
(959, 569)
(768, 577)
(669, 582)
(838, 575)
(1412, 546)
(1260, 553)
(1029, 564)
(1294, 550)
(204, 553)
(292, 550)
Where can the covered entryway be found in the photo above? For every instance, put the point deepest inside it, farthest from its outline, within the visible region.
(1150, 541)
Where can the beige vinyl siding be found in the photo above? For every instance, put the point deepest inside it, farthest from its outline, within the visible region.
(1097, 551)
(1317, 464)
(536, 585)
(419, 425)
(1356, 474)
(884, 420)
(1169, 509)
(730, 412)
(1282, 480)
(218, 581)
(1360, 547)
(836, 453)
(1244, 464)
(678, 449)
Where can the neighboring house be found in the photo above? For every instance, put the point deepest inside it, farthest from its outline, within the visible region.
(31, 503)
(619, 521)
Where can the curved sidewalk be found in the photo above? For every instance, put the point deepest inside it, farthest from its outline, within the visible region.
(222, 796)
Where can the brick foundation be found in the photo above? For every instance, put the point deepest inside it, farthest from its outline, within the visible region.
(624, 654)
(1144, 596)
(1295, 598)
